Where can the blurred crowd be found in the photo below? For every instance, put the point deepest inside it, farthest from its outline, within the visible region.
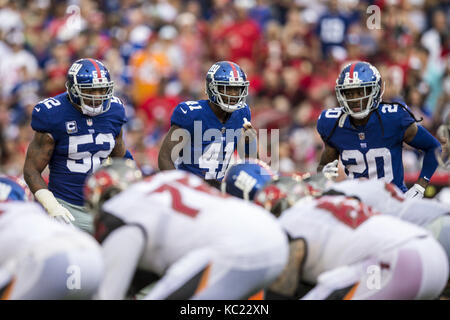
(158, 53)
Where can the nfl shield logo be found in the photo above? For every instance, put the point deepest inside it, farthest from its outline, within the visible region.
(361, 136)
(89, 122)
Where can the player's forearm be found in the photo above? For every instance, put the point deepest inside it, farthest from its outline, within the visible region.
(329, 155)
(119, 151)
(38, 156)
(164, 161)
(33, 178)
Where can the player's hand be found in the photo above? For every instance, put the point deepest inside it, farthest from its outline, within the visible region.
(415, 192)
(330, 170)
(53, 207)
(249, 128)
(61, 214)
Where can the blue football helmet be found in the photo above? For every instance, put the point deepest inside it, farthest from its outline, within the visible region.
(84, 77)
(359, 75)
(243, 180)
(14, 189)
(220, 78)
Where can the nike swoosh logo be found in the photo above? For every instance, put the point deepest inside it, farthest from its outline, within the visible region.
(183, 110)
(38, 109)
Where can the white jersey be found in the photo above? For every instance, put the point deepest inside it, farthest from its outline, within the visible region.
(389, 199)
(179, 213)
(24, 225)
(340, 230)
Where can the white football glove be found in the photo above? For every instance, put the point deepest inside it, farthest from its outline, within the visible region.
(53, 207)
(416, 191)
(330, 170)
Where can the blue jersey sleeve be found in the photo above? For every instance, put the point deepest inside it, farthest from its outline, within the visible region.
(181, 116)
(326, 121)
(406, 118)
(118, 114)
(40, 120)
(321, 126)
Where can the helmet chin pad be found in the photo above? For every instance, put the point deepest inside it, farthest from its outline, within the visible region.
(94, 111)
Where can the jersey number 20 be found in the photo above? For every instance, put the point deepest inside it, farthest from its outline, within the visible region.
(368, 161)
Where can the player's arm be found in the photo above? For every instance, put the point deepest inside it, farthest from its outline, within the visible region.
(250, 135)
(171, 140)
(419, 138)
(120, 151)
(38, 156)
(285, 286)
(328, 163)
(122, 250)
(328, 155)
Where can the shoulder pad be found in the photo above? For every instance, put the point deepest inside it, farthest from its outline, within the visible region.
(116, 100)
(41, 120)
(185, 112)
(327, 121)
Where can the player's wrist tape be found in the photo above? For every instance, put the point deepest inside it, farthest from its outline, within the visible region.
(47, 199)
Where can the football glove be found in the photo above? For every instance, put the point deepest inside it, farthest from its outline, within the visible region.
(416, 191)
(330, 170)
(53, 207)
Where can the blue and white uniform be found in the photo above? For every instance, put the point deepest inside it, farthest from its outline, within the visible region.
(81, 142)
(373, 150)
(211, 150)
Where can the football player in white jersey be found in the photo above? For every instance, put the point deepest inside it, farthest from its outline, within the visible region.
(201, 244)
(39, 257)
(348, 250)
(388, 199)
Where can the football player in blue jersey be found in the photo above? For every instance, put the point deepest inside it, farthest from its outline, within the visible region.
(204, 134)
(74, 132)
(367, 134)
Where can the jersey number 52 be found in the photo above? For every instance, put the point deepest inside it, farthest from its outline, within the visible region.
(89, 160)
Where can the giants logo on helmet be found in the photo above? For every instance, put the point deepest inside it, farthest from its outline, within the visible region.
(75, 68)
(212, 71)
